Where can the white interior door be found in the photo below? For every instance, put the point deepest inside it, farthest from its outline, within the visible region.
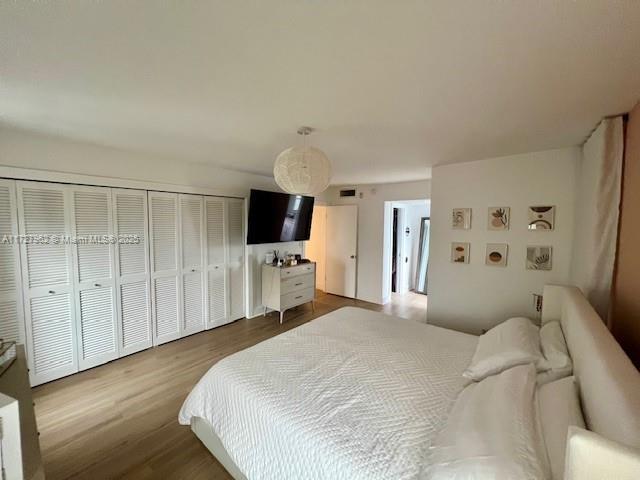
(341, 251)
(11, 308)
(93, 254)
(216, 262)
(192, 242)
(166, 297)
(235, 259)
(132, 270)
(48, 292)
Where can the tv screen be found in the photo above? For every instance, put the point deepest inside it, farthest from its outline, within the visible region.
(278, 217)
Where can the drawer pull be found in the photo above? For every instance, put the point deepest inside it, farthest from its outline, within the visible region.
(298, 284)
(97, 285)
(51, 292)
(299, 296)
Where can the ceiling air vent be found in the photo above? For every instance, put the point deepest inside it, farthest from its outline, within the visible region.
(351, 192)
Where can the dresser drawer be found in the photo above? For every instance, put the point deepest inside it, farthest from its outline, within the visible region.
(292, 299)
(299, 282)
(298, 270)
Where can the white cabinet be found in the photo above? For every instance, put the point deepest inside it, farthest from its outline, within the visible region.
(94, 279)
(132, 270)
(47, 273)
(165, 261)
(12, 323)
(287, 287)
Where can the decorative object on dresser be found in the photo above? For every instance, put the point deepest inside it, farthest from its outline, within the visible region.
(285, 287)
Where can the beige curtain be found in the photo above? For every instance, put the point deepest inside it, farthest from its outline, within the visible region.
(597, 211)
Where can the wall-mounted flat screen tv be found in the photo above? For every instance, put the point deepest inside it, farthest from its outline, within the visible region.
(278, 217)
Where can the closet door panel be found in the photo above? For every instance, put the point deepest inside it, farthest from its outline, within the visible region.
(165, 267)
(164, 216)
(217, 286)
(132, 270)
(131, 221)
(12, 323)
(192, 258)
(216, 244)
(236, 258)
(92, 217)
(135, 317)
(47, 270)
(216, 262)
(167, 315)
(193, 303)
(98, 334)
(44, 219)
(52, 337)
(92, 228)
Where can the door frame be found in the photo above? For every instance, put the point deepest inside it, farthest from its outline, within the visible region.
(421, 243)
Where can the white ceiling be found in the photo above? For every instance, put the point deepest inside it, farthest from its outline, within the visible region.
(392, 87)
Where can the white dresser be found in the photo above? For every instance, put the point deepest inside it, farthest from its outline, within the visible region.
(287, 287)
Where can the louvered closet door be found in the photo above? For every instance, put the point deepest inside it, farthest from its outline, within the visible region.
(236, 242)
(166, 296)
(192, 243)
(216, 263)
(92, 226)
(132, 270)
(11, 318)
(44, 216)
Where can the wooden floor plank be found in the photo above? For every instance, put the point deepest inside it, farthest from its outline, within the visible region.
(119, 420)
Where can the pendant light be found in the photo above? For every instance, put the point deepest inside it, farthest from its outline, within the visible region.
(302, 170)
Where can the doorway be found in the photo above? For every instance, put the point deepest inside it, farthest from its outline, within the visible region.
(405, 248)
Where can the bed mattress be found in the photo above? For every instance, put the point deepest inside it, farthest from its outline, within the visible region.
(354, 394)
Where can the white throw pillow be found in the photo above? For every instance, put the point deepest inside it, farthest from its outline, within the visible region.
(514, 342)
(559, 407)
(491, 432)
(557, 362)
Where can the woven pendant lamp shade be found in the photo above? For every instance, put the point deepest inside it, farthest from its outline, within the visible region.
(302, 170)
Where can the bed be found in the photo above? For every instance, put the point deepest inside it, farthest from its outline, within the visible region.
(359, 394)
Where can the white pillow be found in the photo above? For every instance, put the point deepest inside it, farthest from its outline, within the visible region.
(513, 342)
(557, 362)
(491, 432)
(559, 407)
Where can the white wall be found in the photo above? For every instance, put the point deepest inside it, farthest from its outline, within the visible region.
(51, 154)
(315, 248)
(371, 228)
(475, 296)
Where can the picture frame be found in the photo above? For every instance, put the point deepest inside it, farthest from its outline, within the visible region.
(539, 257)
(497, 254)
(460, 252)
(541, 217)
(498, 218)
(461, 219)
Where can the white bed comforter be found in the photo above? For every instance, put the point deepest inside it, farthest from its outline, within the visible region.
(354, 394)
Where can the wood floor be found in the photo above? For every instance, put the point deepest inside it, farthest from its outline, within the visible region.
(119, 420)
